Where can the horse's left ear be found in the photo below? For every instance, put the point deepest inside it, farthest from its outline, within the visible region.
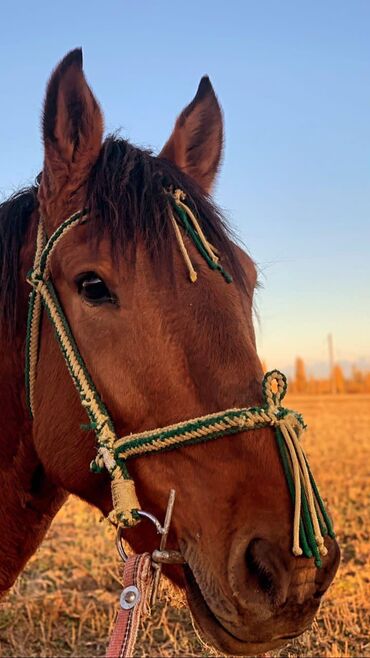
(72, 133)
(195, 145)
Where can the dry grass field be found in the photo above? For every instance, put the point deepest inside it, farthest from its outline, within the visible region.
(64, 602)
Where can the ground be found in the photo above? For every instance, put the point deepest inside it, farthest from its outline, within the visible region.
(64, 602)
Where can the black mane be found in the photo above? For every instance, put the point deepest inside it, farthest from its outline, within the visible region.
(14, 217)
(126, 196)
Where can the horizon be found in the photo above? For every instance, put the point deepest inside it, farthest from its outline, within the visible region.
(320, 369)
(293, 82)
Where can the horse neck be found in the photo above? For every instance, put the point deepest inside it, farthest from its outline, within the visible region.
(29, 500)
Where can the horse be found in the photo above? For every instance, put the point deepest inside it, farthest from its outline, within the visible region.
(160, 348)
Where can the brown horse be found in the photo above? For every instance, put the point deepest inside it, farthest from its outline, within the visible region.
(160, 349)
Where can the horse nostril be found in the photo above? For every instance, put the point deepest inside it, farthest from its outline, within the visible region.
(268, 570)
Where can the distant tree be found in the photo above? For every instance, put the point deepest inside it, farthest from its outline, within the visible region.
(357, 375)
(338, 379)
(356, 383)
(367, 382)
(300, 376)
(312, 385)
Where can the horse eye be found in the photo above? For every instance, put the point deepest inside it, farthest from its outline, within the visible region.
(93, 289)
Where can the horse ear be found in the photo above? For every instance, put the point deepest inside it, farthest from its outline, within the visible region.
(195, 145)
(72, 130)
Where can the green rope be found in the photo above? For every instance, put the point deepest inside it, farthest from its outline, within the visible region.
(307, 522)
(288, 475)
(323, 528)
(156, 440)
(78, 356)
(199, 245)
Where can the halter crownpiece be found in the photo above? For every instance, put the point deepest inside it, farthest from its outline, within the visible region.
(311, 521)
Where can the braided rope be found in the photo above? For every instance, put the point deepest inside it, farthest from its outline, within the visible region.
(192, 273)
(33, 325)
(310, 520)
(43, 293)
(73, 220)
(193, 229)
(179, 197)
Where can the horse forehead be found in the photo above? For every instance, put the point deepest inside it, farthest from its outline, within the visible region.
(76, 252)
(80, 244)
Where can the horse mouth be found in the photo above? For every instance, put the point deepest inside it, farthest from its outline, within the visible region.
(215, 633)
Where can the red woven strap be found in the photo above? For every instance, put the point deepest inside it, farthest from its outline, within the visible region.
(138, 573)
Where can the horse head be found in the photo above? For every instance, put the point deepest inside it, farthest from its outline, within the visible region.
(161, 349)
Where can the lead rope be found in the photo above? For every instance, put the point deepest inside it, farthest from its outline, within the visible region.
(134, 601)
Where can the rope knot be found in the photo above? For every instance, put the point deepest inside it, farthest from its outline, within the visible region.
(274, 387)
(179, 195)
(125, 502)
(273, 419)
(34, 278)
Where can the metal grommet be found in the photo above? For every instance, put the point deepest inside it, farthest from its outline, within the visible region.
(130, 596)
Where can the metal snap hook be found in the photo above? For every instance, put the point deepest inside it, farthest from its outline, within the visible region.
(159, 556)
(119, 536)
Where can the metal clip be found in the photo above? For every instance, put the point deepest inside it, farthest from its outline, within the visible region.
(159, 556)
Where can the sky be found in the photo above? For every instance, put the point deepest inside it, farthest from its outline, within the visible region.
(293, 79)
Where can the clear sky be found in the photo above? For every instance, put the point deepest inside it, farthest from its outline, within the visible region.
(294, 82)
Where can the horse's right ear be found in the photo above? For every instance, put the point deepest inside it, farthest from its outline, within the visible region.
(72, 131)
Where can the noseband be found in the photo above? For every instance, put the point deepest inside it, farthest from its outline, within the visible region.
(311, 521)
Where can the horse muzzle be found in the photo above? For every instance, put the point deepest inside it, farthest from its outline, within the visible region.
(266, 600)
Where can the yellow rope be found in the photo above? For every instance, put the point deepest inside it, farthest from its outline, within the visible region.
(248, 421)
(192, 273)
(34, 341)
(308, 488)
(297, 489)
(62, 235)
(36, 318)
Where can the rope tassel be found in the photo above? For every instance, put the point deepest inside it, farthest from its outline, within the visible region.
(193, 229)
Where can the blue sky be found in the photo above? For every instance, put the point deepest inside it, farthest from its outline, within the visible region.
(294, 82)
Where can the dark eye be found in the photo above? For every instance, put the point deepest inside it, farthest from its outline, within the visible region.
(92, 289)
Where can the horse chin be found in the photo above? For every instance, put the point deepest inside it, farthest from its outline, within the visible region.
(212, 631)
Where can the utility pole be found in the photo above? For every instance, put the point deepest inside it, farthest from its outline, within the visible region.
(331, 364)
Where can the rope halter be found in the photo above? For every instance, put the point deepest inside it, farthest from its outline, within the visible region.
(311, 521)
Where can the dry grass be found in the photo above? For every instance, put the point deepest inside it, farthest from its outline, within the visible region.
(65, 600)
